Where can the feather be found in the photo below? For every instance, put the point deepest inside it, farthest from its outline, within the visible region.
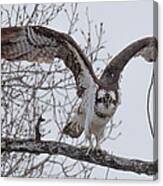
(40, 44)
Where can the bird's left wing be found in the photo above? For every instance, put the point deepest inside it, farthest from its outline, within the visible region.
(40, 44)
(146, 47)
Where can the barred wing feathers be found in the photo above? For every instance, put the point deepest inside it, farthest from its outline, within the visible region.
(40, 44)
(146, 47)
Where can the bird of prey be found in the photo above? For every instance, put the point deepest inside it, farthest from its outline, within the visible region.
(99, 97)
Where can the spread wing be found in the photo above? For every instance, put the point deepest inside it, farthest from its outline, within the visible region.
(146, 47)
(40, 44)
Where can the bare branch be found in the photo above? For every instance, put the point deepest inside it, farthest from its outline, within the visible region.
(101, 158)
(32, 90)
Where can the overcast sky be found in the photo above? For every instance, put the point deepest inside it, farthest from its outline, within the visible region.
(125, 22)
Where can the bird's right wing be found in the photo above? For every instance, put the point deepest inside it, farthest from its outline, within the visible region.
(40, 44)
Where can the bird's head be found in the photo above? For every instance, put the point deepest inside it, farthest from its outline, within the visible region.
(106, 97)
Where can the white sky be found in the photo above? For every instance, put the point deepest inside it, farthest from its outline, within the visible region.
(125, 22)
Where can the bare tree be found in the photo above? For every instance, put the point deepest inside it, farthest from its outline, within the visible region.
(38, 100)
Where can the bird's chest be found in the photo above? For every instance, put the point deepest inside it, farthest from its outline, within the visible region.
(103, 110)
(100, 121)
(102, 116)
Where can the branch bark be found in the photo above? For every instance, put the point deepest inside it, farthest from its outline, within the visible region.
(101, 158)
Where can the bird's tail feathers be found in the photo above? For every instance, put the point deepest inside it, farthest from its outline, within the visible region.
(73, 129)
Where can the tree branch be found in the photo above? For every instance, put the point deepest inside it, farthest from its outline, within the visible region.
(101, 158)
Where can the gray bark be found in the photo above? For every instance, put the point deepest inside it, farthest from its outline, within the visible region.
(101, 158)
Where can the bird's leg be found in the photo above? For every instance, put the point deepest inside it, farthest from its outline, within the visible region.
(88, 138)
(90, 146)
(97, 147)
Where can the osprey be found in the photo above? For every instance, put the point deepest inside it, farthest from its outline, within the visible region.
(99, 97)
(106, 103)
